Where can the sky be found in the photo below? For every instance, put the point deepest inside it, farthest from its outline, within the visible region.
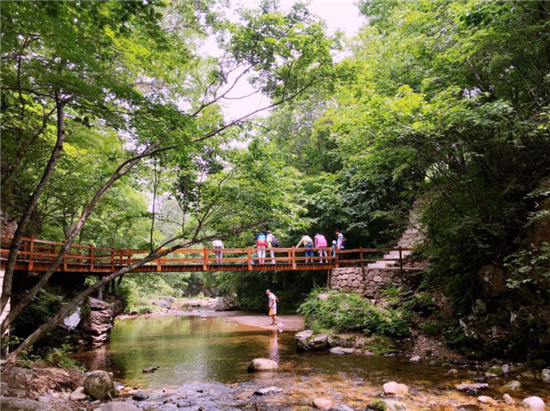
(340, 15)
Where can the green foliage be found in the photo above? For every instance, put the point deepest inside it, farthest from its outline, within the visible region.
(59, 358)
(421, 303)
(430, 328)
(137, 289)
(529, 266)
(39, 311)
(378, 405)
(350, 312)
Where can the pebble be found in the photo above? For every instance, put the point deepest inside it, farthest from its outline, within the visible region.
(472, 388)
(268, 390)
(416, 358)
(322, 403)
(512, 386)
(140, 396)
(509, 400)
(486, 400)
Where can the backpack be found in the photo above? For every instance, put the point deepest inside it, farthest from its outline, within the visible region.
(344, 242)
(274, 241)
(261, 240)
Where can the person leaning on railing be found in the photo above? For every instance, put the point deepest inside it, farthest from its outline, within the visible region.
(308, 243)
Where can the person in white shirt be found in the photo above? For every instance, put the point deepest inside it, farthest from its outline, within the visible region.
(218, 245)
(270, 238)
(273, 300)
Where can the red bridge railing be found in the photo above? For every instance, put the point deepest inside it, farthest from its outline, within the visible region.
(37, 255)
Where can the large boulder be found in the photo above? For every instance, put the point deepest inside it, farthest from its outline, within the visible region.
(262, 364)
(226, 303)
(99, 386)
(534, 404)
(495, 371)
(100, 319)
(21, 404)
(79, 394)
(307, 341)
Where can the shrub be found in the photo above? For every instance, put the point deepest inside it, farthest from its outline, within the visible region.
(430, 328)
(421, 303)
(59, 358)
(349, 312)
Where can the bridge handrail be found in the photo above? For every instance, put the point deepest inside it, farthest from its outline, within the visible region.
(89, 256)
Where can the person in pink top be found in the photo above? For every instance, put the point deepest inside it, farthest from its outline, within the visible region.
(321, 242)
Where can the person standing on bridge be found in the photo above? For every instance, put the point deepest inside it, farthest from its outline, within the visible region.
(273, 300)
(218, 246)
(321, 242)
(308, 243)
(340, 243)
(261, 245)
(272, 242)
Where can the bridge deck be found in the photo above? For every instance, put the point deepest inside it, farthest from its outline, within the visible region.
(38, 255)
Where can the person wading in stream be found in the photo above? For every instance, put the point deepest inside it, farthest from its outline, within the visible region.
(273, 300)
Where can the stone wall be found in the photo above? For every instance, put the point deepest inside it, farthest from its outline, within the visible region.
(368, 282)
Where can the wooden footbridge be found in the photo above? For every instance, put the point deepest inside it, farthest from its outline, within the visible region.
(37, 255)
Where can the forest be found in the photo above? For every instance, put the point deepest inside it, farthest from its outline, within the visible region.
(114, 134)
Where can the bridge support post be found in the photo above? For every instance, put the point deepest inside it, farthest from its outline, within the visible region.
(205, 259)
(31, 253)
(293, 258)
(249, 258)
(91, 257)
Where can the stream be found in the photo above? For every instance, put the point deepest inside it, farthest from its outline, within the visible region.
(204, 362)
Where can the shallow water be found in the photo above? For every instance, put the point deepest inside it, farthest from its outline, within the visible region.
(192, 350)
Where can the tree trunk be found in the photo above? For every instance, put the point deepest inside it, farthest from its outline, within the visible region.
(25, 219)
(28, 297)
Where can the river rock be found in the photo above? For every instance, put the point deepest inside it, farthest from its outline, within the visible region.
(169, 300)
(323, 296)
(22, 404)
(452, 372)
(149, 370)
(119, 406)
(486, 400)
(342, 351)
(472, 388)
(160, 303)
(99, 386)
(226, 303)
(545, 375)
(322, 403)
(394, 388)
(262, 364)
(416, 358)
(79, 394)
(494, 372)
(506, 368)
(140, 396)
(512, 386)
(302, 340)
(533, 403)
(307, 341)
(341, 408)
(268, 390)
(509, 400)
(468, 407)
(395, 405)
